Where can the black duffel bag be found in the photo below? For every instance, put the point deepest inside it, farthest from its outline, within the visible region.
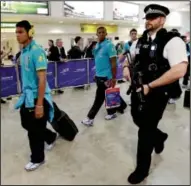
(63, 124)
(187, 99)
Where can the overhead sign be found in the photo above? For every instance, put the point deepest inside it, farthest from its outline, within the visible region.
(84, 9)
(24, 7)
(125, 11)
(92, 28)
(8, 25)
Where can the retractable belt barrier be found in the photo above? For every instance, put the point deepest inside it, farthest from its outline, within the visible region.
(72, 73)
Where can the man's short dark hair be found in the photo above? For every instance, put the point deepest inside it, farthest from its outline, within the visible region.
(77, 38)
(101, 27)
(133, 30)
(51, 41)
(24, 24)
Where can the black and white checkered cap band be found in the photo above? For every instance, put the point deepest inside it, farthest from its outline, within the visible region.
(155, 11)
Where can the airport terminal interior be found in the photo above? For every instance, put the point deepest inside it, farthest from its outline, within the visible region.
(103, 153)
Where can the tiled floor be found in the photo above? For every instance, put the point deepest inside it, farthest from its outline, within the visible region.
(103, 154)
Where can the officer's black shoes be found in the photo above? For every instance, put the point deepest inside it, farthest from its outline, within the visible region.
(137, 177)
(159, 147)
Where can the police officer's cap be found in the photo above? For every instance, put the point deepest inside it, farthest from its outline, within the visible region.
(154, 10)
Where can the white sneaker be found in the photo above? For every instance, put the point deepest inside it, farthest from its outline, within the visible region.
(110, 117)
(33, 166)
(88, 122)
(172, 101)
(50, 147)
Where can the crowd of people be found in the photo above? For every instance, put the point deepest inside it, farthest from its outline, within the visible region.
(58, 53)
(159, 55)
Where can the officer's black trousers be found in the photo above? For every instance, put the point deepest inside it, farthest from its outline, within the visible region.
(147, 120)
(100, 97)
(37, 131)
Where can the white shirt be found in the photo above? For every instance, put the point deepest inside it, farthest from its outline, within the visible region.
(133, 49)
(174, 51)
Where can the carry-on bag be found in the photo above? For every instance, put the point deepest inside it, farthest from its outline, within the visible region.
(63, 124)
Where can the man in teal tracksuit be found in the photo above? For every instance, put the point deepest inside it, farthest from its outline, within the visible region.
(35, 103)
(106, 70)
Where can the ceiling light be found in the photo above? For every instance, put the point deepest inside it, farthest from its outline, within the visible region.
(56, 31)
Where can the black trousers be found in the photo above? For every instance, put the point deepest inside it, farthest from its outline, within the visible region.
(100, 97)
(37, 131)
(147, 120)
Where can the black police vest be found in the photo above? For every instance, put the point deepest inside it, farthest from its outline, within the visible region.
(150, 61)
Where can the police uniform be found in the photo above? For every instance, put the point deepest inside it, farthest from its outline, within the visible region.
(33, 59)
(154, 56)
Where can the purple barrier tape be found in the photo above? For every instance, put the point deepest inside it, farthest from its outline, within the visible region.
(119, 71)
(91, 70)
(8, 81)
(51, 75)
(72, 73)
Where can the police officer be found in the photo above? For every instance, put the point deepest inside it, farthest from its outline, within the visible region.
(35, 103)
(159, 62)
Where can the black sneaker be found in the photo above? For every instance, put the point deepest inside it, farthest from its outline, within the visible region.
(159, 147)
(60, 91)
(3, 101)
(137, 177)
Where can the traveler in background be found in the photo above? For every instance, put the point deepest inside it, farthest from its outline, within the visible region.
(186, 77)
(52, 53)
(119, 48)
(89, 50)
(60, 54)
(36, 107)
(133, 36)
(130, 45)
(133, 42)
(75, 52)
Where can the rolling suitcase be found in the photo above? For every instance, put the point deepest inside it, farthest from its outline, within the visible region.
(63, 124)
(187, 99)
